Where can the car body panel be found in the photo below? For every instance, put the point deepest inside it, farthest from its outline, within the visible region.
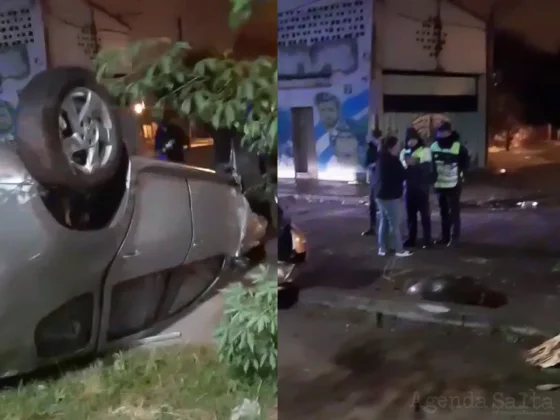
(220, 219)
(171, 215)
(43, 264)
(182, 215)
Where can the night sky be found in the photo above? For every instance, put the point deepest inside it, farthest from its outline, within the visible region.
(537, 20)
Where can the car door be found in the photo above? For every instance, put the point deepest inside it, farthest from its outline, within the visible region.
(158, 241)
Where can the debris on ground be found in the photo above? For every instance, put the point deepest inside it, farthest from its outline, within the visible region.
(546, 355)
(247, 410)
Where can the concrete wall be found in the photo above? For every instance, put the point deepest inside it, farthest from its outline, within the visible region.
(324, 62)
(69, 35)
(406, 37)
(405, 42)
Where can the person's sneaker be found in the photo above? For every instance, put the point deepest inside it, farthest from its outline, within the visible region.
(369, 232)
(403, 254)
(428, 245)
(442, 241)
(381, 253)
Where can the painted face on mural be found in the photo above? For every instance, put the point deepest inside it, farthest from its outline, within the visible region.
(328, 112)
(328, 107)
(346, 149)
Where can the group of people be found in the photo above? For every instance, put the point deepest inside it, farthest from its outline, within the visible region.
(412, 172)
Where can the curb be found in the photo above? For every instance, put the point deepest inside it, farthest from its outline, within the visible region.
(353, 200)
(311, 198)
(490, 320)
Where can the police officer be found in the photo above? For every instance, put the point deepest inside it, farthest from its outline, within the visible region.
(451, 160)
(417, 160)
(371, 159)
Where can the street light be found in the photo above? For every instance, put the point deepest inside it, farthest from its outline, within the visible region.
(139, 108)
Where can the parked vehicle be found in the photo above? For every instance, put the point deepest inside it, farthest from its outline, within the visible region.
(292, 252)
(101, 247)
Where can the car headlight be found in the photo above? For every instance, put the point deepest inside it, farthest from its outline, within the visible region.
(299, 241)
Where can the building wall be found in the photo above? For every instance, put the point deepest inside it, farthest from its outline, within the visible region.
(406, 40)
(71, 42)
(324, 62)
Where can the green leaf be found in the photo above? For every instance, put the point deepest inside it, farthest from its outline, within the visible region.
(229, 114)
(217, 117)
(199, 100)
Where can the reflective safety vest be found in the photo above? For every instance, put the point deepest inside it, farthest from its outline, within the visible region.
(447, 165)
(422, 154)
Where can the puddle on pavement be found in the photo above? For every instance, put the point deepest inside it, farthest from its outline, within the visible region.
(462, 290)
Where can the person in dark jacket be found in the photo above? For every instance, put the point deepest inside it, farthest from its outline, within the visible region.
(170, 141)
(388, 183)
(451, 161)
(417, 161)
(371, 159)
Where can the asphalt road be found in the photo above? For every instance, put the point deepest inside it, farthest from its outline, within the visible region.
(338, 365)
(515, 251)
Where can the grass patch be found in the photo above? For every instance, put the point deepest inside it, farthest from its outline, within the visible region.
(169, 383)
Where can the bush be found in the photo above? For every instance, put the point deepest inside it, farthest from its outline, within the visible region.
(248, 332)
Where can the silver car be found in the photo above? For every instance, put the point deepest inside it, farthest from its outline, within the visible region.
(100, 247)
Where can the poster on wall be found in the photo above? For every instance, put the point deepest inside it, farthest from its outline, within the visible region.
(22, 56)
(340, 130)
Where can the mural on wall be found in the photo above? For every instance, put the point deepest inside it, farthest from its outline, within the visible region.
(340, 131)
(321, 59)
(22, 55)
(332, 40)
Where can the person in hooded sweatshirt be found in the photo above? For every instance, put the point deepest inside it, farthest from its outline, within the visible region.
(417, 161)
(388, 183)
(451, 161)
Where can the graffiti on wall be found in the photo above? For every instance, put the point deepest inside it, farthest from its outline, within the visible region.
(321, 59)
(340, 131)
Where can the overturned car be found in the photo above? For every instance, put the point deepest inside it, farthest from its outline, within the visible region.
(101, 247)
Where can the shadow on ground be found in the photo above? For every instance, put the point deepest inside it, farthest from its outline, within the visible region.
(404, 372)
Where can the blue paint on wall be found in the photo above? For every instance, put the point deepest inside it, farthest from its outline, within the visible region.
(340, 131)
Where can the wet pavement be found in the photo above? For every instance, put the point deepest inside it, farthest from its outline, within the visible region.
(511, 252)
(339, 365)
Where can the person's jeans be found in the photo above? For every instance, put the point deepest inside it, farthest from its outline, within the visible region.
(418, 201)
(389, 225)
(372, 206)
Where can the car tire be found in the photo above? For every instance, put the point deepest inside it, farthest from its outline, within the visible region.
(40, 132)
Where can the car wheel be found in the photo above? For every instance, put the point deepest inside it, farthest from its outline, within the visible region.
(68, 129)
